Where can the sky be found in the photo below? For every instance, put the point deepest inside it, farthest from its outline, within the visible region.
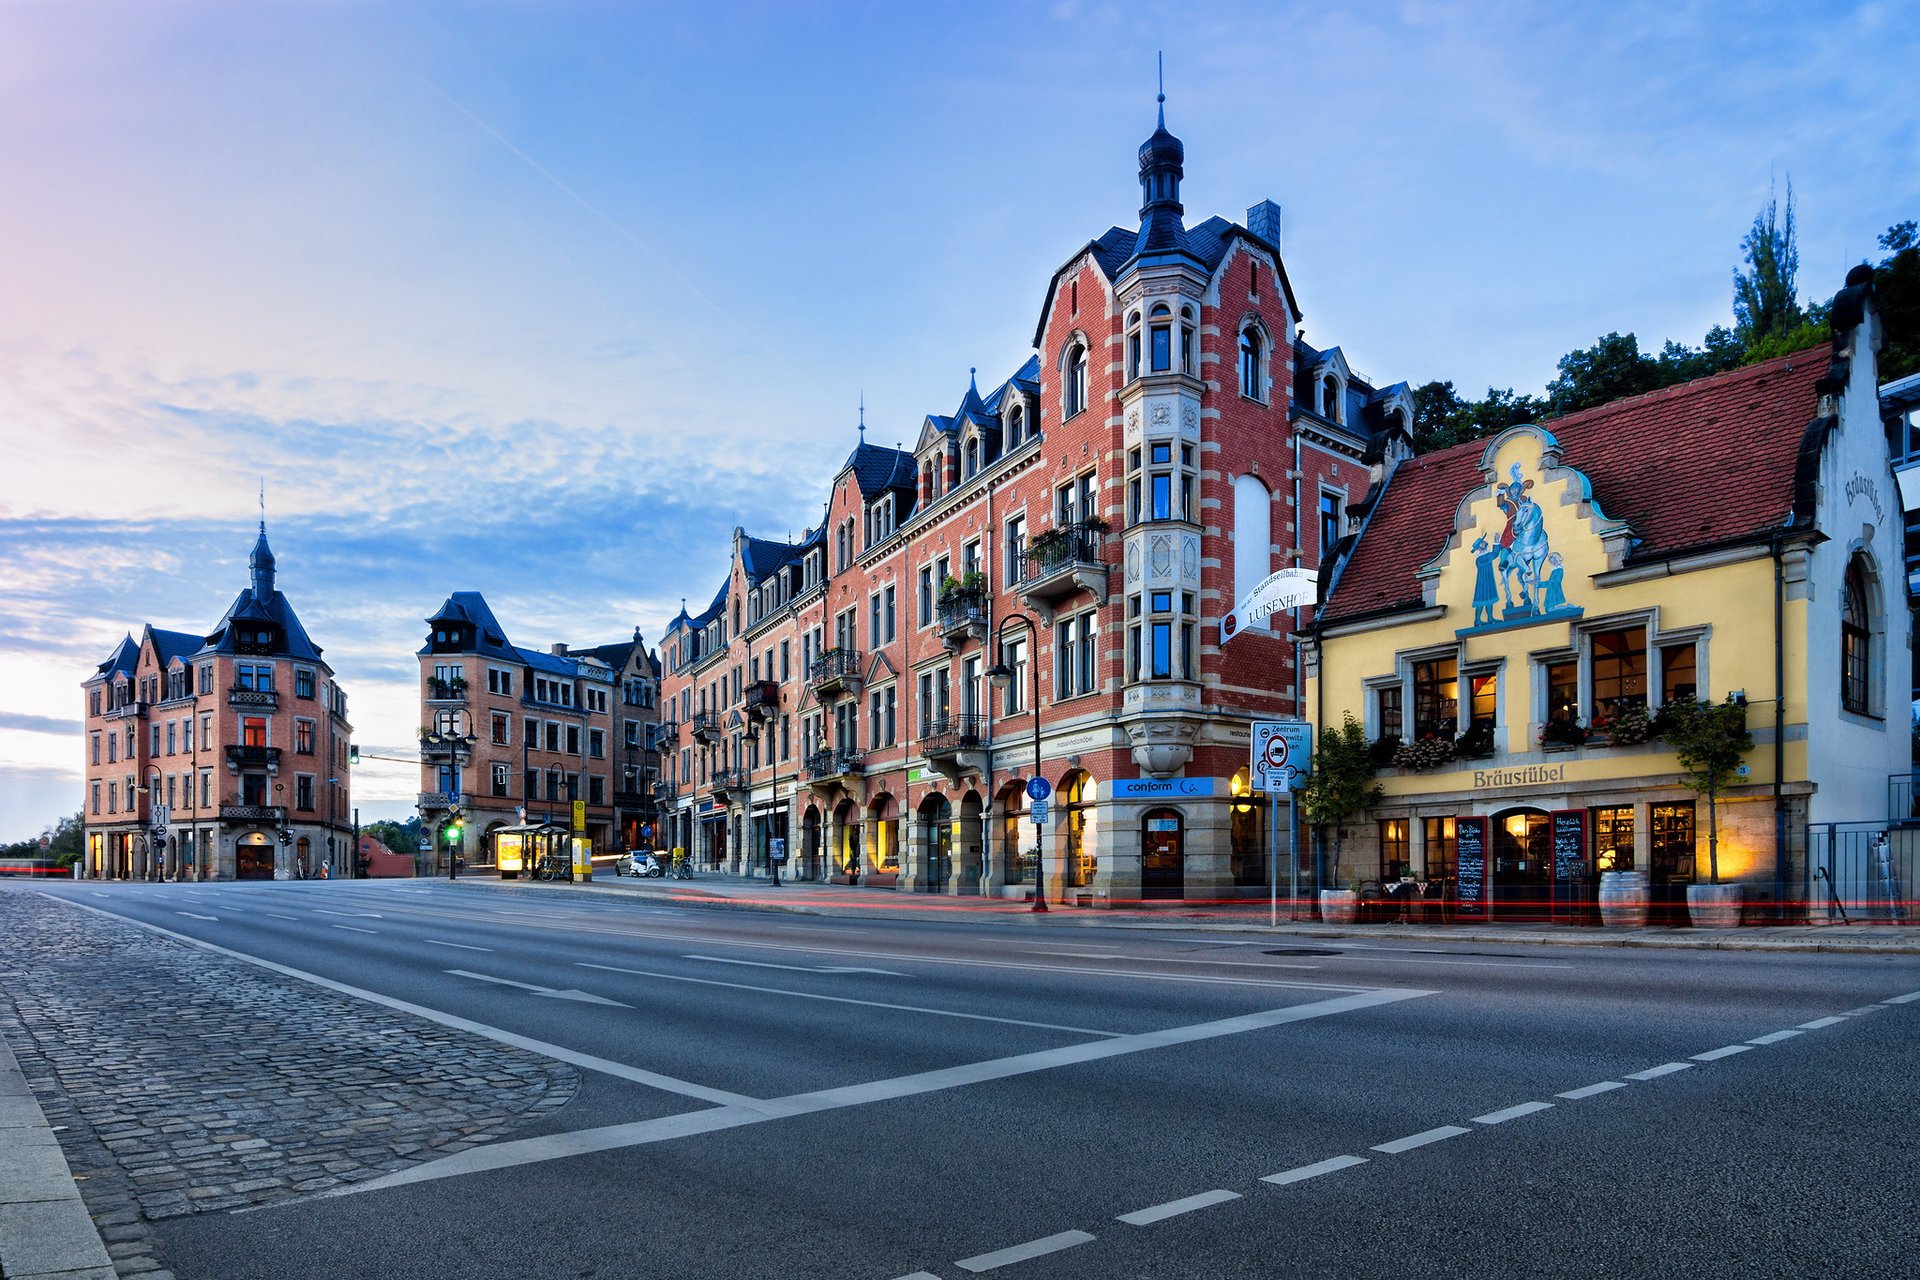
(542, 300)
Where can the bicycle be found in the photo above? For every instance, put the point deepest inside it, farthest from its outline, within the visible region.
(554, 866)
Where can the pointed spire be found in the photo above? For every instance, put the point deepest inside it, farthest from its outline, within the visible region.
(863, 416)
(1161, 159)
(1161, 58)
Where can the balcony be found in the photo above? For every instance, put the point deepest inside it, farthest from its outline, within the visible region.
(763, 699)
(267, 758)
(253, 699)
(727, 782)
(963, 616)
(665, 793)
(126, 710)
(452, 691)
(258, 815)
(824, 768)
(1063, 562)
(950, 736)
(431, 800)
(835, 672)
(706, 726)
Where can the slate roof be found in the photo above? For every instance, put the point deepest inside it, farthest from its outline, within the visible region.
(1707, 463)
(877, 468)
(169, 645)
(122, 661)
(471, 607)
(247, 607)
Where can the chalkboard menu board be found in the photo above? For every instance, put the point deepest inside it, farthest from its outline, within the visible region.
(1569, 828)
(1470, 868)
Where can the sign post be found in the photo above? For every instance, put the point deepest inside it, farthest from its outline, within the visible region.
(1282, 752)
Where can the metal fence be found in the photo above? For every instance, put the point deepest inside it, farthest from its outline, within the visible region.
(1860, 872)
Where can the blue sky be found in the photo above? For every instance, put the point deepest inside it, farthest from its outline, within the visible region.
(541, 300)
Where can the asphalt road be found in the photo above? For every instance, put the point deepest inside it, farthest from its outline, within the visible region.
(782, 1096)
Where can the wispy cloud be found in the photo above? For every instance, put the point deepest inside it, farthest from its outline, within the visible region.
(39, 724)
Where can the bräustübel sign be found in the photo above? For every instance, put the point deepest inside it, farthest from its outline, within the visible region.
(1287, 589)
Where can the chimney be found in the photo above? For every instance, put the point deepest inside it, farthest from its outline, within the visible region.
(559, 650)
(1263, 220)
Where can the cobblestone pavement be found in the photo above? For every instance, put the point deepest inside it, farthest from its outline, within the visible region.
(184, 1082)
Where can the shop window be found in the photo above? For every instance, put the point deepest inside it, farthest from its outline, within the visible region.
(1619, 671)
(1437, 848)
(1080, 849)
(1436, 698)
(1670, 843)
(1395, 850)
(1613, 838)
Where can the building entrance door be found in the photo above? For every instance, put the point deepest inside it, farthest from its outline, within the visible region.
(1162, 855)
(253, 857)
(1522, 865)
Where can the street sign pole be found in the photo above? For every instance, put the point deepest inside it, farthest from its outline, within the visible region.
(1293, 860)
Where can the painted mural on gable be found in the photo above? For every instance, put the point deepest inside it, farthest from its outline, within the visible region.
(1524, 537)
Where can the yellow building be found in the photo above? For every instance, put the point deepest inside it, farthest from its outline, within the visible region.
(1512, 615)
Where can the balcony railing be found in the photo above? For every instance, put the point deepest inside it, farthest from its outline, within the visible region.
(826, 765)
(1063, 561)
(253, 757)
(257, 814)
(435, 800)
(265, 699)
(706, 726)
(1903, 799)
(954, 734)
(763, 698)
(728, 781)
(446, 690)
(836, 671)
(126, 710)
(963, 615)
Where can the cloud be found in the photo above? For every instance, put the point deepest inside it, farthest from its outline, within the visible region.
(40, 724)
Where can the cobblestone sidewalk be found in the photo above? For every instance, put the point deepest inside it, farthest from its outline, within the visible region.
(182, 1081)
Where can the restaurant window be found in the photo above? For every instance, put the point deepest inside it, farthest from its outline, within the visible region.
(1437, 848)
(1670, 842)
(1613, 838)
(1563, 691)
(1619, 671)
(1436, 698)
(1679, 673)
(1395, 850)
(1388, 710)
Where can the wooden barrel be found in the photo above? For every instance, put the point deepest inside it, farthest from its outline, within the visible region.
(1623, 899)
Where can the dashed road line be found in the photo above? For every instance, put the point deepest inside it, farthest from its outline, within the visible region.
(1818, 1023)
(351, 929)
(1021, 1252)
(1411, 1141)
(1862, 1011)
(277, 916)
(1592, 1090)
(1774, 1037)
(1513, 1112)
(1664, 1069)
(1314, 1170)
(1174, 1208)
(463, 946)
(195, 915)
(1725, 1051)
(1908, 998)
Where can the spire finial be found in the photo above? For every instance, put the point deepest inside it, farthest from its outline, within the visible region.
(1161, 57)
(863, 416)
(263, 506)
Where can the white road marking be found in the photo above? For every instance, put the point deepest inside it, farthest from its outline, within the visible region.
(1726, 1051)
(1908, 998)
(1512, 1113)
(1664, 1069)
(322, 911)
(1088, 955)
(1818, 1023)
(277, 916)
(552, 992)
(1408, 1143)
(1021, 1252)
(871, 1004)
(920, 1275)
(795, 968)
(746, 1111)
(1305, 1171)
(351, 929)
(1605, 1086)
(463, 946)
(1174, 1208)
(1775, 1037)
(560, 1053)
(1862, 1011)
(195, 915)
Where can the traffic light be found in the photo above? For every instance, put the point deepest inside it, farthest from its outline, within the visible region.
(353, 753)
(452, 832)
(160, 839)
(286, 836)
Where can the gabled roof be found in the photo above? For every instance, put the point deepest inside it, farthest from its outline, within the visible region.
(247, 607)
(470, 607)
(169, 646)
(876, 468)
(1707, 463)
(122, 661)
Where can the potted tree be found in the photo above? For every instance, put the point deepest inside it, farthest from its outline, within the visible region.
(1709, 739)
(1340, 787)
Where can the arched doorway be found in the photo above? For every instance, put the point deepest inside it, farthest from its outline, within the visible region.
(1522, 864)
(1078, 847)
(936, 839)
(303, 861)
(970, 852)
(253, 857)
(848, 853)
(1163, 854)
(810, 850)
(1013, 851)
(882, 870)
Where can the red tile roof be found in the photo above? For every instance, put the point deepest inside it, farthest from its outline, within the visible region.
(1706, 462)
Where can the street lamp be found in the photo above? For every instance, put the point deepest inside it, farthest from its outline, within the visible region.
(450, 733)
(1001, 676)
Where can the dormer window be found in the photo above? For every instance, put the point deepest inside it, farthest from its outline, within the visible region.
(1330, 398)
(970, 462)
(1073, 391)
(1016, 427)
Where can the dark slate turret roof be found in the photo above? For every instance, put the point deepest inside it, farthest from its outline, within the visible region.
(471, 608)
(877, 468)
(169, 645)
(122, 661)
(248, 607)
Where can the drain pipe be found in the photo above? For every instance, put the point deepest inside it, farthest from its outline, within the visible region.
(1779, 728)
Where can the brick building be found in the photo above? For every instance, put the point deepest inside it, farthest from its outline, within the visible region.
(514, 737)
(1089, 519)
(234, 744)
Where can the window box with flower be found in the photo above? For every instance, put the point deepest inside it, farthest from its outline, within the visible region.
(1563, 735)
(1424, 753)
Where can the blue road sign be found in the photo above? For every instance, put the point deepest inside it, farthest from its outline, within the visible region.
(1038, 788)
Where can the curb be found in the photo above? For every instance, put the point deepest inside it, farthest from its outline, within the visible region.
(46, 1232)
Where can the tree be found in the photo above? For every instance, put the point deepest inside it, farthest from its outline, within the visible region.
(1709, 739)
(400, 837)
(1764, 297)
(1897, 281)
(1341, 785)
(1610, 369)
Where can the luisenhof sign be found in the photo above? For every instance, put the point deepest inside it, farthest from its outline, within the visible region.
(1532, 774)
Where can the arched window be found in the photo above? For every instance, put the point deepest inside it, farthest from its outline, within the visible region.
(972, 460)
(1856, 642)
(1016, 425)
(1189, 348)
(1330, 399)
(1133, 346)
(1253, 361)
(1160, 338)
(1074, 389)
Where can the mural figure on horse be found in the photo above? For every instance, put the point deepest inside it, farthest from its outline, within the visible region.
(1522, 544)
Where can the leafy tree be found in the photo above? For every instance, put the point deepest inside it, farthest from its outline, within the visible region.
(1341, 785)
(401, 837)
(1610, 369)
(1709, 738)
(1897, 280)
(1721, 350)
(1442, 418)
(65, 841)
(1765, 300)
